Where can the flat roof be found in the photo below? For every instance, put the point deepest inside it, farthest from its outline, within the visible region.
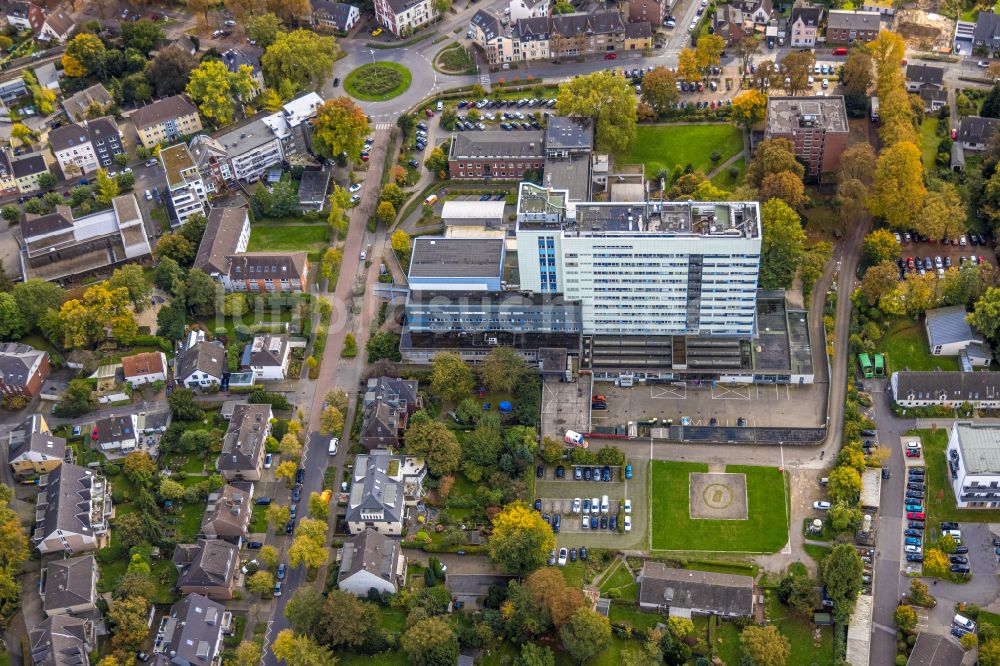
(980, 447)
(175, 159)
(472, 210)
(788, 115)
(457, 257)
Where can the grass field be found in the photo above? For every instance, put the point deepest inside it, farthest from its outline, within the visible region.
(929, 141)
(907, 349)
(633, 616)
(378, 81)
(621, 581)
(727, 182)
(799, 635)
(666, 146)
(765, 530)
(290, 238)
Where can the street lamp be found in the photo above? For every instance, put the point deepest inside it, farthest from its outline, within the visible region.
(372, 51)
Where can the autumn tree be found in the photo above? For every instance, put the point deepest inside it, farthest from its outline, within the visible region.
(264, 29)
(308, 551)
(502, 369)
(128, 621)
(844, 484)
(986, 314)
(765, 645)
(880, 245)
(85, 55)
(331, 421)
(687, 65)
(318, 508)
(857, 163)
(746, 47)
(451, 377)
(107, 187)
(521, 540)
(608, 100)
(548, 587)
(749, 108)
(785, 186)
(782, 244)
(435, 443)
(943, 214)
(798, 66)
(286, 470)
(659, 89)
(905, 617)
(261, 583)
(586, 634)
(385, 212)
(879, 281)
(300, 650)
(898, 190)
(247, 653)
(83, 320)
(430, 642)
(340, 126)
(215, 89)
(857, 73)
(303, 58)
(773, 156)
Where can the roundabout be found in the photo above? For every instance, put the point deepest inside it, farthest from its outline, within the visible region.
(377, 82)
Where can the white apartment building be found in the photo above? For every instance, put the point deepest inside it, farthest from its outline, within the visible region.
(974, 464)
(402, 17)
(187, 190)
(656, 268)
(522, 9)
(81, 149)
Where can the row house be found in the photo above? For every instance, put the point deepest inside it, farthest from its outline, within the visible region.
(805, 26)
(264, 272)
(844, 26)
(87, 147)
(69, 586)
(227, 233)
(72, 511)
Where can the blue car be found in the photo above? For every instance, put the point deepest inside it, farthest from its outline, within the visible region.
(914, 507)
(281, 571)
(555, 523)
(593, 522)
(587, 474)
(913, 541)
(628, 471)
(296, 493)
(586, 509)
(538, 505)
(606, 473)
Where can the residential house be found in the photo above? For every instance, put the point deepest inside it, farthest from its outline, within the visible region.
(759, 12)
(934, 97)
(24, 15)
(647, 11)
(486, 32)
(975, 133)
(184, 43)
(82, 149)
(22, 369)
(116, 433)
(496, 155)
(730, 23)
(72, 511)
(243, 448)
(58, 26)
(227, 514)
(382, 485)
(144, 368)
(213, 162)
(638, 36)
(250, 149)
(523, 9)
(62, 640)
(973, 451)
(388, 405)
(202, 363)
(313, 188)
(683, 592)
(188, 195)
(267, 357)
(210, 567)
(950, 334)
(95, 97)
(402, 17)
(338, 16)
(918, 76)
(264, 272)
(987, 32)
(816, 125)
(165, 120)
(58, 248)
(370, 560)
(226, 234)
(805, 26)
(950, 389)
(48, 76)
(936, 650)
(192, 633)
(32, 449)
(249, 56)
(69, 586)
(845, 26)
(8, 184)
(27, 170)
(11, 88)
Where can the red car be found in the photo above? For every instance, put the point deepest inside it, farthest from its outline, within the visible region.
(912, 453)
(840, 50)
(915, 515)
(610, 56)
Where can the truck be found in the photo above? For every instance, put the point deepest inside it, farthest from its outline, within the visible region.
(575, 439)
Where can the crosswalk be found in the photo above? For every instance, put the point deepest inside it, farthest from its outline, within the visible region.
(383, 126)
(484, 81)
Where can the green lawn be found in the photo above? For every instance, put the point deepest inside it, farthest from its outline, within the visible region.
(164, 575)
(816, 552)
(799, 634)
(258, 520)
(312, 239)
(374, 82)
(635, 617)
(929, 141)
(666, 146)
(727, 639)
(727, 182)
(939, 503)
(907, 349)
(765, 530)
(621, 581)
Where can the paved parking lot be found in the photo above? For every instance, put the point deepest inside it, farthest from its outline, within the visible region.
(954, 252)
(566, 406)
(557, 497)
(763, 405)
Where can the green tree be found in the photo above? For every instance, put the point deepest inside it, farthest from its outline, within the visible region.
(451, 377)
(765, 645)
(214, 89)
(383, 345)
(905, 618)
(35, 297)
(77, 399)
(586, 634)
(261, 583)
(502, 369)
(782, 245)
(131, 278)
(142, 35)
(521, 540)
(880, 245)
(552, 450)
(435, 443)
(857, 73)
(880, 281)
(170, 71)
(348, 621)
(437, 162)
(183, 406)
(430, 642)
(842, 575)
(301, 57)
(991, 105)
(305, 611)
(264, 29)
(13, 323)
(107, 187)
(986, 313)
(798, 592)
(85, 55)
(608, 100)
(989, 653)
(844, 517)
(533, 654)
(201, 293)
(175, 247)
(770, 157)
(340, 126)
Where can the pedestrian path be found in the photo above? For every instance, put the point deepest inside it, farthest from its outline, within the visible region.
(383, 126)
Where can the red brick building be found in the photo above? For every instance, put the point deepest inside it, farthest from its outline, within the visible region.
(653, 11)
(496, 155)
(816, 125)
(23, 369)
(844, 27)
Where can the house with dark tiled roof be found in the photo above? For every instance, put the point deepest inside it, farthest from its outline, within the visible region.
(210, 567)
(69, 587)
(87, 147)
(731, 24)
(267, 356)
(987, 31)
(388, 405)
(975, 132)
(116, 433)
(250, 56)
(370, 560)
(227, 514)
(946, 389)
(685, 592)
(22, 369)
(950, 334)
(33, 450)
(62, 640)
(57, 27)
(804, 26)
(265, 272)
(845, 26)
(76, 106)
(227, 233)
(243, 447)
(338, 16)
(28, 169)
(72, 510)
(202, 362)
(23, 15)
(383, 485)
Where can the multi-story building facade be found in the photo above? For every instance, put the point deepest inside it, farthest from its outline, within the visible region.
(402, 17)
(522, 9)
(844, 26)
(816, 125)
(8, 184)
(33, 450)
(243, 448)
(382, 487)
(250, 148)
(72, 511)
(188, 195)
(192, 633)
(165, 120)
(263, 272)
(28, 169)
(950, 389)
(23, 369)
(87, 147)
(804, 26)
(642, 268)
(973, 452)
(227, 233)
(496, 155)
(647, 11)
(337, 16)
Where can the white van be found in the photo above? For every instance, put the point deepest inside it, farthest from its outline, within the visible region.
(954, 533)
(604, 504)
(963, 622)
(575, 438)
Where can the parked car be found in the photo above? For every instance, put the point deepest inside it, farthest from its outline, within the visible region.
(914, 541)
(586, 505)
(267, 461)
(560, 472)
(948, 525)
(915, 508)
(556, 521)
(538, 505)
(628, 471)
(959, 559)
(959, 568)
(540, 471)
(563, 554)
(821, 505)
(915, 515)
(606, 473)
(280, 573)
(627, 507)
(587, 474)
(913, 549)
(914, 557)
(576, 505)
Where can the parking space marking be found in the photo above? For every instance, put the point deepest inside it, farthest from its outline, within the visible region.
(549, 406)
(723, 392)
(668, 391)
